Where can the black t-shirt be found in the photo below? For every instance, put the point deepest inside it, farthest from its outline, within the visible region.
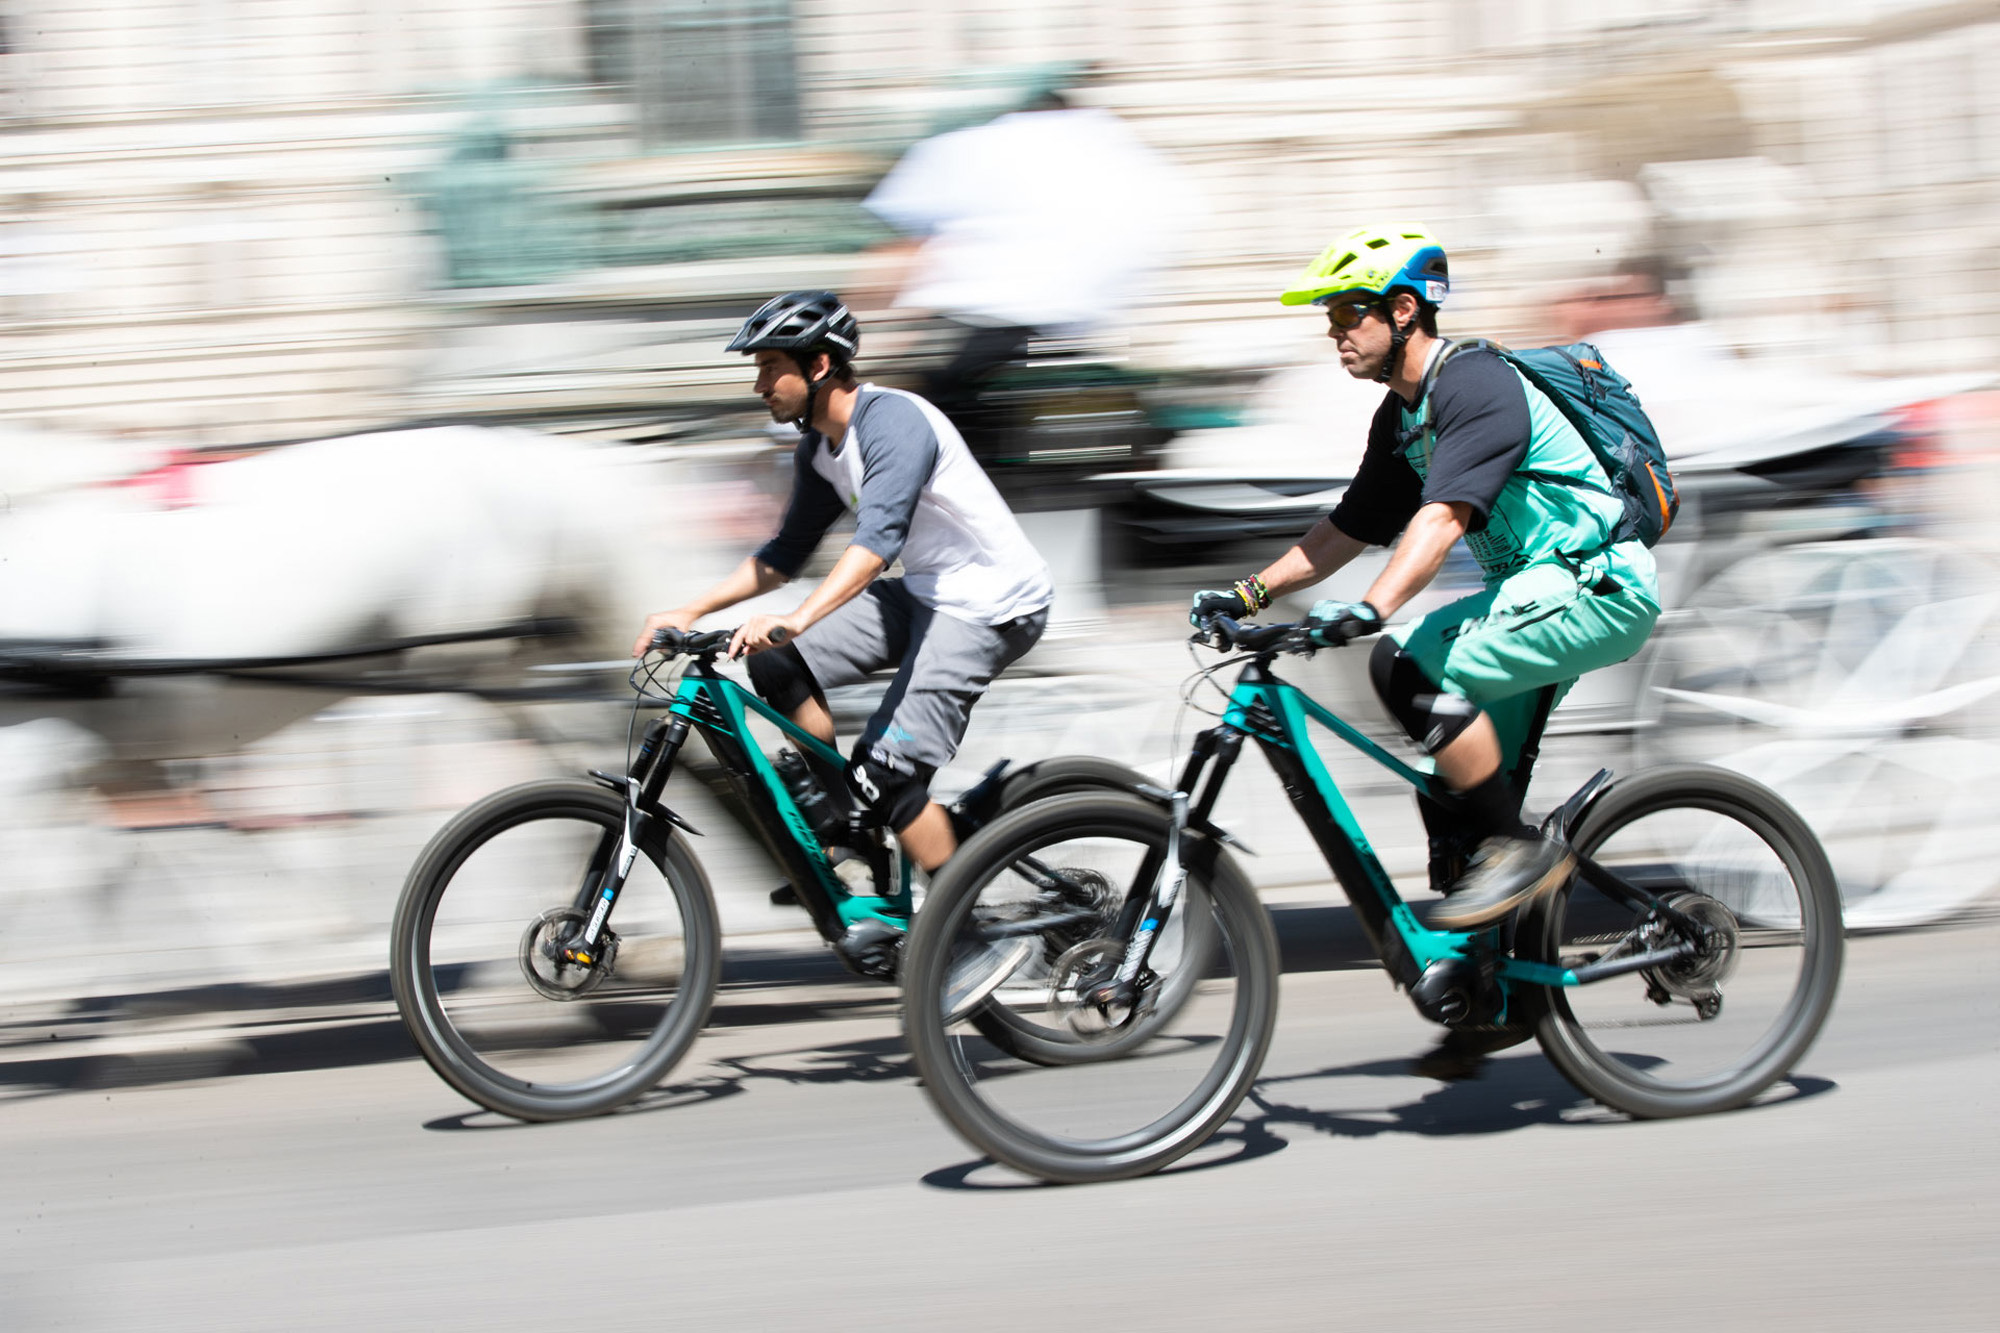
(1480, 429)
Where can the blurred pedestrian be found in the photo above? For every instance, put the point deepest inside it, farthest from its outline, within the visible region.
(1045, 221)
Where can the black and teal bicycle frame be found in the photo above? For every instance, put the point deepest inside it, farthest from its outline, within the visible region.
(1275, 714)
(720, 708)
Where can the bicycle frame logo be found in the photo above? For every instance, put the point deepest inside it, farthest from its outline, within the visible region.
(721, 707)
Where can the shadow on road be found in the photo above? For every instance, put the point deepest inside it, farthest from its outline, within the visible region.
(127, 1041)
(1511, 1093)
(870, 1060)
(1233, 1144)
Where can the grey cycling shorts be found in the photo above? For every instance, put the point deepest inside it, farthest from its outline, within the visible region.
(943, 665)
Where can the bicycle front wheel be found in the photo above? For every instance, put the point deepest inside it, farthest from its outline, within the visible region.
(475, 965)
(1020, 1029)
(1016, 930)
(1712, 1030)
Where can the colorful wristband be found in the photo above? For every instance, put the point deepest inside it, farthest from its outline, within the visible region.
(1253, 592)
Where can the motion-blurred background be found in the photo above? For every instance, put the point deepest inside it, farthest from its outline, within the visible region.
(364, 386)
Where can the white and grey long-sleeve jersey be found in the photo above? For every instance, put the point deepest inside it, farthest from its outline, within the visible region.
(916, 492)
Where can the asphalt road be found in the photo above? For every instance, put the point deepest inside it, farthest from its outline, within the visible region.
(792, 1175)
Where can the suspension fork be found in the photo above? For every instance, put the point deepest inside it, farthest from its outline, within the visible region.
(616, 851)
(1144, 916)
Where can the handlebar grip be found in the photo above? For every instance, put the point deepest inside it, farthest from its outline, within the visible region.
(671, 641)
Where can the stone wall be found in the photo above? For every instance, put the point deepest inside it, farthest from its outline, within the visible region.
(212, 224)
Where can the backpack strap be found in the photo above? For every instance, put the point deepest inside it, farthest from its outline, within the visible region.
(1437, 364)
(1406, 438)
(1451, 348)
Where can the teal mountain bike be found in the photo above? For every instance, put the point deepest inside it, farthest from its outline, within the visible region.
(555, 950)
(1687, 966)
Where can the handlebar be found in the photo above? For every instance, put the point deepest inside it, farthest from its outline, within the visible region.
(676, 643)
(1226, 634)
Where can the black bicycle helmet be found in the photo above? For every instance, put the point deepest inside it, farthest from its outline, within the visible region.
(801, 323)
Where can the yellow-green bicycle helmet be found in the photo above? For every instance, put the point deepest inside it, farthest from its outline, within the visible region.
(1375, 259)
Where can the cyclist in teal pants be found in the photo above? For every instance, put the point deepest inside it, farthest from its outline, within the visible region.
(1462, 448)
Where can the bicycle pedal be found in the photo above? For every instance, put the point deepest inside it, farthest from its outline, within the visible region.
(785, 896)
(871, 947)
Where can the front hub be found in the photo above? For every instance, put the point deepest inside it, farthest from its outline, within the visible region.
(556, 962)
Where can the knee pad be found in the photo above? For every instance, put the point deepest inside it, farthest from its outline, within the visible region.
(781, 677)
(1433, 717)
(894, 789)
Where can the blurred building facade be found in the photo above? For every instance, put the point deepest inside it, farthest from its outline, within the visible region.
(236, 221)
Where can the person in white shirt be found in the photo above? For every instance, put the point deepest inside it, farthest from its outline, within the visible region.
(974, 593)
(1044, 221)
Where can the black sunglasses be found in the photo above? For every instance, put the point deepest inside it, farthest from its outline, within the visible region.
(1349, 314)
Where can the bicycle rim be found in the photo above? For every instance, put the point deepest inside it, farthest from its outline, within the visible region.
(1097, 1092)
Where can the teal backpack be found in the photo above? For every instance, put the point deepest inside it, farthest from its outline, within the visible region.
(1600, 403)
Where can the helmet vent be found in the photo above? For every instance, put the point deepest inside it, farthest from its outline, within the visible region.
(1345, 260)
(1377, 242)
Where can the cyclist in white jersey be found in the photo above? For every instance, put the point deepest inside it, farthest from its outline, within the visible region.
(973, 596)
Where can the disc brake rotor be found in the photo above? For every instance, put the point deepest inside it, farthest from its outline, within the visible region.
(542, 962)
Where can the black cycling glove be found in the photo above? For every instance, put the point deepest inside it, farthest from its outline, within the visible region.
(1246, 597)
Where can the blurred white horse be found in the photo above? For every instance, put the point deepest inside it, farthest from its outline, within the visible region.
(319, 546)
(322, 547)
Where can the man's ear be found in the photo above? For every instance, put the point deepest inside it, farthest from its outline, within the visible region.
(1404, 307)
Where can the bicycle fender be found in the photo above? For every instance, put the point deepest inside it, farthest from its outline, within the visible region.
(651, 809)
(1206, 827)
(658, 811)
(1564, 818)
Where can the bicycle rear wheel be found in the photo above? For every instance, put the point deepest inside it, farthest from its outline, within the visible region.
(1117, 1092)
(473, 955)
(1708, 1032)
